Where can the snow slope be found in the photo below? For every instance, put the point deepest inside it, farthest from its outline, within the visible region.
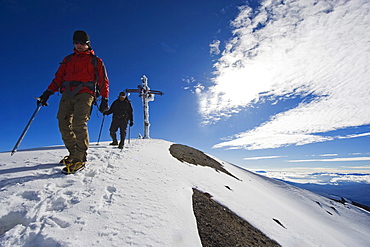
(142, 196)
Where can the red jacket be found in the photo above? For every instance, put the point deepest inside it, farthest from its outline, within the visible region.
(79, 67)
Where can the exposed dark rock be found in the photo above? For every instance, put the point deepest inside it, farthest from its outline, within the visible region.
(193, 156)
(218, 226)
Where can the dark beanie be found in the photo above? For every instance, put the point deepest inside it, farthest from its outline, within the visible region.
(122, 94)
(81, 36)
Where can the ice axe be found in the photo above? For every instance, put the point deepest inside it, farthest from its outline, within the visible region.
(129, 133)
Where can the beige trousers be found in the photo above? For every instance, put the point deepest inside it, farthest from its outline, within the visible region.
(73, 115)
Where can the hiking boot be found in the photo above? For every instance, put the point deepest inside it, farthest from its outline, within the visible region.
(66, 160)
(73, 167)
(120, 146)
(114, 139)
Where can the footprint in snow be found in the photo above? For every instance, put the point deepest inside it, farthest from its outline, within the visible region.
(109, 196)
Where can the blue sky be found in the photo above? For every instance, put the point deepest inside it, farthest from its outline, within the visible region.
(264, 85)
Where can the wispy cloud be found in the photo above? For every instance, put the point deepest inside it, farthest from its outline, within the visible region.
(166, 47)
(333, 160)
(356, 167)
(353, 136)
(325, 169)
(315, 49)
(263, 157)
(327, 155)
(214, 47)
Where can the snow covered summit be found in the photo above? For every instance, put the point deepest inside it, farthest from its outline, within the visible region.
(144, 196)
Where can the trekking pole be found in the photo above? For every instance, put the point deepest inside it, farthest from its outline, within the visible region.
(129, 130)
(26, 129)
(101, 127)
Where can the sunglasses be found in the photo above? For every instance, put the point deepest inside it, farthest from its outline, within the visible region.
(81, 42)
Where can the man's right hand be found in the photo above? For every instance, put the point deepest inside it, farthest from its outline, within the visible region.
(44, 98)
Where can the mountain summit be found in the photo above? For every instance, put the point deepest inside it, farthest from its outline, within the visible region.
(157, 193)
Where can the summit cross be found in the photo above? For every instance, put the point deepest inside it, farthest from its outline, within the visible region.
(146, 95)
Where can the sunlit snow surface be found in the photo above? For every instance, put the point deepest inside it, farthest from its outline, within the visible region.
(142, 196)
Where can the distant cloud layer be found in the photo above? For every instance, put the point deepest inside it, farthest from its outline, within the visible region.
(317, 50)
(320, 177)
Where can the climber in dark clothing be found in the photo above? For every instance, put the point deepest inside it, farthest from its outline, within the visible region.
(122, 115)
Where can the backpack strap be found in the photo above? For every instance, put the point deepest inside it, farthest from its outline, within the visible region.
(94, 61)
(91, 85)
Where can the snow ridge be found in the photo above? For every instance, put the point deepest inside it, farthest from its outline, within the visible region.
(142, 196)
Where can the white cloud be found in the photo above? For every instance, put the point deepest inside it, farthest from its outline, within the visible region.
(357, 167)
(189, 80)
(295, 48)
(326, 155)
(333, 160)
(353, 136)
(198, 88)
(310, 169)
(214, 47)
(263, 157)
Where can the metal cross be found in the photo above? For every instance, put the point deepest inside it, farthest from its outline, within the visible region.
(147, 95)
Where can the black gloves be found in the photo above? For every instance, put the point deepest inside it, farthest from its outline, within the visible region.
(103, 105)
(131, 123)
(44, 97)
